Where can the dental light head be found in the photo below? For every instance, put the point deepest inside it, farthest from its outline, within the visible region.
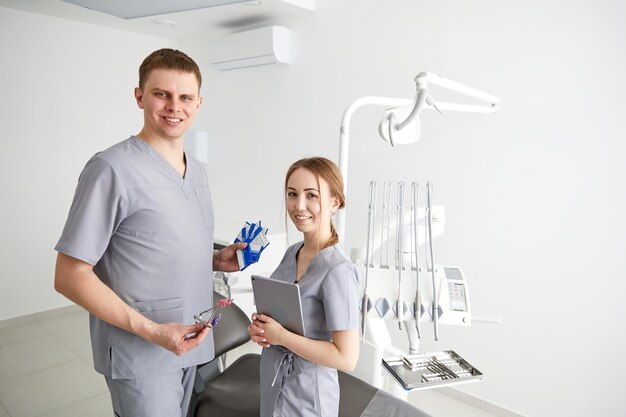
(401, 125)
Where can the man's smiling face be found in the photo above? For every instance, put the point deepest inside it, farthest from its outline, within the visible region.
(170, 100)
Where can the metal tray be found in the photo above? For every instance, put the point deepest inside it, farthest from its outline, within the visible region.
(431, 370)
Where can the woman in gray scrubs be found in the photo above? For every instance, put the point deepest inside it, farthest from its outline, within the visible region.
(299, 373)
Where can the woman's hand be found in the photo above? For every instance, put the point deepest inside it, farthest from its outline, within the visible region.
(257, 334)
(342, 352)
(273, 332)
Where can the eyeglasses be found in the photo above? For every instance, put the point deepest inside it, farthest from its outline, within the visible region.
(210, 317)
(206, 319)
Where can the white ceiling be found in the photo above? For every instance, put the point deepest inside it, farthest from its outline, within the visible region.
(214, 21)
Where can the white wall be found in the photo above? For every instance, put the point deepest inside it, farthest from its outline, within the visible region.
(534, 194)
(67, 92)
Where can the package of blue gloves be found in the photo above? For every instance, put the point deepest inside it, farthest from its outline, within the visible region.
(255, 236)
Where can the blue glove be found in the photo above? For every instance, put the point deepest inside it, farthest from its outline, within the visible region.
(256, 238)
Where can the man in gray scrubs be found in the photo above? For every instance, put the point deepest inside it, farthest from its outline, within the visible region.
(137, 249)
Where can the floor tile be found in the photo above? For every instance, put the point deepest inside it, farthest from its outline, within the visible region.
(35, 317)
(22, 358)
(21, 333)
(73, 331)
(99, 406)
(84, 352)
(78, 321)
(77, 342)
(51, 389)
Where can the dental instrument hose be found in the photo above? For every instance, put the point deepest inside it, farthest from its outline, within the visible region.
(435, 304)
(368, 254)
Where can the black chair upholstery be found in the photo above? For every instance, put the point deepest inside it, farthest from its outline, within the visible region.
(235, 392)
(355, 395)
(231, 332)
(238, 384)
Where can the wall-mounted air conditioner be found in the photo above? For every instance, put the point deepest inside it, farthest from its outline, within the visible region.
(264, 46)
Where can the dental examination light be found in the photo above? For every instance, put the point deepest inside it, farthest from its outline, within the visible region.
(400, 123)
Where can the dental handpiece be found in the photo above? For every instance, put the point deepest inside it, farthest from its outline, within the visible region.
(418, 307)
(384, 235)
(400, 252)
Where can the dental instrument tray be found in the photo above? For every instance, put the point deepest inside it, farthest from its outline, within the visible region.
(431, 370)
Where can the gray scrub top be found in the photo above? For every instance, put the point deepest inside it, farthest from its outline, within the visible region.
(149, 234)
(291, 385)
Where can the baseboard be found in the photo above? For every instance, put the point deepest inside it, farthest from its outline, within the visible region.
(31, 318)
(478, 402)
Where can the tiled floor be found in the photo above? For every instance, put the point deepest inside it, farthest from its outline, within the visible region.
(46, 370)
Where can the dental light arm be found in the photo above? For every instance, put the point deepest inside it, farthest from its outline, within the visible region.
(424, 78)
(405, 129)
(408, 130)
(420, 99)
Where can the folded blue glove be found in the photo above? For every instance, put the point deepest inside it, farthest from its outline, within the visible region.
(256, 238)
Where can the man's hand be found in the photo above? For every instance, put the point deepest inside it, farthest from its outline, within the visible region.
(179, 338)
(226, 259)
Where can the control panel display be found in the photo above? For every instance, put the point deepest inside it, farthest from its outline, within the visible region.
(456, 290)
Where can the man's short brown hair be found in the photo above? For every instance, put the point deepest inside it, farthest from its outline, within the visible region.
(170, 59)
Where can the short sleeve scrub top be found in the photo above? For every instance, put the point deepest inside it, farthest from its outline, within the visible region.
(291, 385)
(149, 234)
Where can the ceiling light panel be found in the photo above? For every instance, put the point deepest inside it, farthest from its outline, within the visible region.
(131, 9)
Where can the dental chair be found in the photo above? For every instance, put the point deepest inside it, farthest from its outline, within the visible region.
(234, 391)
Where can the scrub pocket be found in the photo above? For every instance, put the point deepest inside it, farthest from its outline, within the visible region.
(204, 200)
(134, 357)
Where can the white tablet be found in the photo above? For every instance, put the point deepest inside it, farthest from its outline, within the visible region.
(280, 300)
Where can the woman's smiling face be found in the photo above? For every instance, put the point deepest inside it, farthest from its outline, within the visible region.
(309, 203)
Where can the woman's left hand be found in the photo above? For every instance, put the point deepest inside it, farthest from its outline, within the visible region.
(273, 331)
(256, 333)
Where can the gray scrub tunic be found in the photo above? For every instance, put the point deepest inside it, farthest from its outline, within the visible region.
(149, 234)
(291, 385)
